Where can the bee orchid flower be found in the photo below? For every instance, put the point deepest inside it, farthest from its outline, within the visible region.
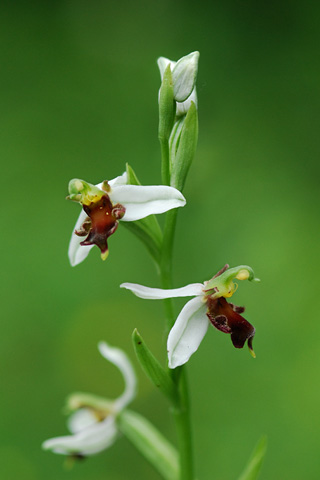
(93, 423)
(107, 203)
(208, 307)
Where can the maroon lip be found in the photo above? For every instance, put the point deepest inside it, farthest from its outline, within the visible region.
(226, 317)
(102, 222)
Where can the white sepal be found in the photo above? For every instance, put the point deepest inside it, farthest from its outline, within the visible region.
(120, 360)
(163, 62)
(76, 252)
(81, 419)
(187, 332)
(142, 201)
(191, 290)
(89, 441)
(184, 75)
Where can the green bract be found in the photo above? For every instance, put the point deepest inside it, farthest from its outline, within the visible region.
(151, 444)
(152, 368)
(183, 144)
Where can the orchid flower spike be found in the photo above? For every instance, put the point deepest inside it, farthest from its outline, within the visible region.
(184, 75)
(208, 306)
(107, 203)
(93, 424)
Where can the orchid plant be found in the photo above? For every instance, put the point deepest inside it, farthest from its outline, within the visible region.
(95, 422)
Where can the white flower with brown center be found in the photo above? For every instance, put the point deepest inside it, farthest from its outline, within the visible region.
(93, 424)
(208, 307)
(104, 205)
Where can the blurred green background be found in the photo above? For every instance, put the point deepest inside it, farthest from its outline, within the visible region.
(79, 86)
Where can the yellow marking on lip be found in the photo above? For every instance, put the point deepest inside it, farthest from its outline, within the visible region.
(104, 255)
(253, 355)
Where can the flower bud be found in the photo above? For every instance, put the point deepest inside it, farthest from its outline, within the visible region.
(184, 76)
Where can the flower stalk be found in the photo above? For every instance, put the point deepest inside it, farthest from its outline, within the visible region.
(177, 104)
(183, 427)
(166, 264)
(181, 410)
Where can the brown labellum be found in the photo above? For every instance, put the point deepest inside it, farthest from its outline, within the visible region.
(226, 317)
(103, 216)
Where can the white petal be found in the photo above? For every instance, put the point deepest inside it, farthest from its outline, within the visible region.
(76, 252)
(140, 201)
(92, 440)
(158, 293)
(81, 419)
(120, 360)
(183, 107)
(187, 332)
(163, 62)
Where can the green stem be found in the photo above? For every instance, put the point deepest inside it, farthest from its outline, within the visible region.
(181, 412)
(183, 426)
(165, 165)
(166, 264)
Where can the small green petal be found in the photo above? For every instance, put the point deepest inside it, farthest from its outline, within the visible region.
(223, 284)
(87, 400)
(84, 192)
